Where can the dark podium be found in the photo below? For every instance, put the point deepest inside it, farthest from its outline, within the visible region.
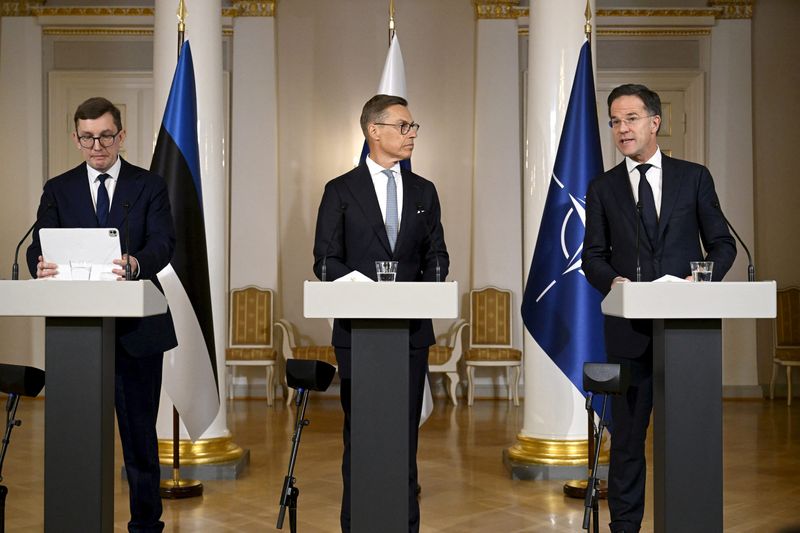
(379, 417)
(687, 389)
(79, 390)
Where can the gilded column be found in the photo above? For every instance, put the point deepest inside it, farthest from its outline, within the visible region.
(497, 207)
(552, 441)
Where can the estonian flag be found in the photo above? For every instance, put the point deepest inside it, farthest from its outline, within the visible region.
(559, 308)
(190, 370)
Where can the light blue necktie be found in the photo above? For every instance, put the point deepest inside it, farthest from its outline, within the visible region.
(103, 202)
(392, 224)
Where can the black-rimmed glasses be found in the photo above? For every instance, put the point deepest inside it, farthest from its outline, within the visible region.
(105, 140)
(405, 127)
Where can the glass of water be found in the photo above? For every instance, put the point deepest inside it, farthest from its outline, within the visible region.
(386, 270)
(701, 270)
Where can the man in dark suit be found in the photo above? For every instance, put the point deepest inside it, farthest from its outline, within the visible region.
(379, 212)
(101, 193)
(670, 207)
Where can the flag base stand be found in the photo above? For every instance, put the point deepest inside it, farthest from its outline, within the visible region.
(176, 488)
(531, 458)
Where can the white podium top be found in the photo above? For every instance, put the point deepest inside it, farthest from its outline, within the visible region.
(727, 299)
(81, 298)
(353, 299)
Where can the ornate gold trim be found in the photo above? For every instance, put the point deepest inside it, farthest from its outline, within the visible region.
(554, 452)
(55, 30)
(93, 11)
(733, 9)
(661, 12)
(253, 8)
(655, 32)
(201, 452)
(19, 8)
(496, 9)
(137, 32)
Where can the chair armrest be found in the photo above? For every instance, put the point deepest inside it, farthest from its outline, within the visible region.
(287, 331)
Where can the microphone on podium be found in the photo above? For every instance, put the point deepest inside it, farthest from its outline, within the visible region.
(15, 266)
(751, 270)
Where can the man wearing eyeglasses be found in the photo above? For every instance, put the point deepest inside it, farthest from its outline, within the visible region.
(654, 211)
(102, 193)
(381, 212)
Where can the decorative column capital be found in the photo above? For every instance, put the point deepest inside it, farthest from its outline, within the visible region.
(19, 8)
(496, 9)
(733, 9)
(254, 8)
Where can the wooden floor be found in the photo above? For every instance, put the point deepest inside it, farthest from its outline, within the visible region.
(465, 487)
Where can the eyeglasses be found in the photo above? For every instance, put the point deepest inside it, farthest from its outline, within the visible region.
(615, 123)
(87, 141)
(405, 127)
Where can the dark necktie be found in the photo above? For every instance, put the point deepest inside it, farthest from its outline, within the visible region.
(103, 203)
(392, 223)
(649, 214)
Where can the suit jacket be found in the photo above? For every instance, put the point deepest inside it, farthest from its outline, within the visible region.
(351, 235)
(152, 238)
(689, 216)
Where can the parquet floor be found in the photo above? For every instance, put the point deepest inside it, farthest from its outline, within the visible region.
(465, 486)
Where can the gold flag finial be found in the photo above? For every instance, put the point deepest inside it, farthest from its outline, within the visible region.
(587, 28)
(391, 20)
(181, 16)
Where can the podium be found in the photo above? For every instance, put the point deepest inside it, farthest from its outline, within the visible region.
(687, 389)
(379, 452)
(79, 404)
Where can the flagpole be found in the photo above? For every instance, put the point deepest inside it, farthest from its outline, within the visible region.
(391, 21)
(177, 488)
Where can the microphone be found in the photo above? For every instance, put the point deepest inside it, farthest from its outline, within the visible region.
(638, 225)
(15, 266)
(126, 206)
(429, 229)
(324, 273)
(751, 270)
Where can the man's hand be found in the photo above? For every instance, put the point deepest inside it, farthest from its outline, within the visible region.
(45, 270)
(120, 272)
(619, 279)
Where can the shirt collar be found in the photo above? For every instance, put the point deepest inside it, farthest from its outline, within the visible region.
(376, 170)
(113, 171)
(655, 161)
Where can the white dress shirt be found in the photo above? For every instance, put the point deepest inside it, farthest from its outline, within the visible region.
(380, 181)
(654, 178)
(111, 183)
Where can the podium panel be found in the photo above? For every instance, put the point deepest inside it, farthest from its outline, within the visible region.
(687, 389)
(379, 417)
(79, 402)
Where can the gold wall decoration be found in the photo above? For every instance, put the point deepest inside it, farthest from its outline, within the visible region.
(653, 32)
(44, 11)
(661, 12)
(109, 31)
(18, 8)
(733, 9)
(496, 9)
(253, 8)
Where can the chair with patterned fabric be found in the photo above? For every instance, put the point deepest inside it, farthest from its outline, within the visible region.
(444, 358)
(786, 338)
(250, 339)
(292, 351)
(490, 337)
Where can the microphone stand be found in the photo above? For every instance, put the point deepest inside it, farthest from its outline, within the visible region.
(591, 505)
(751, 270)
(429, 229)
(15, 266)
(290, 493)
(11, 423)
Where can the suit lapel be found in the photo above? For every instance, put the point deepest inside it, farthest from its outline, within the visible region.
(621, 185)
(363, 191)
(670, 187)
(127, 191)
